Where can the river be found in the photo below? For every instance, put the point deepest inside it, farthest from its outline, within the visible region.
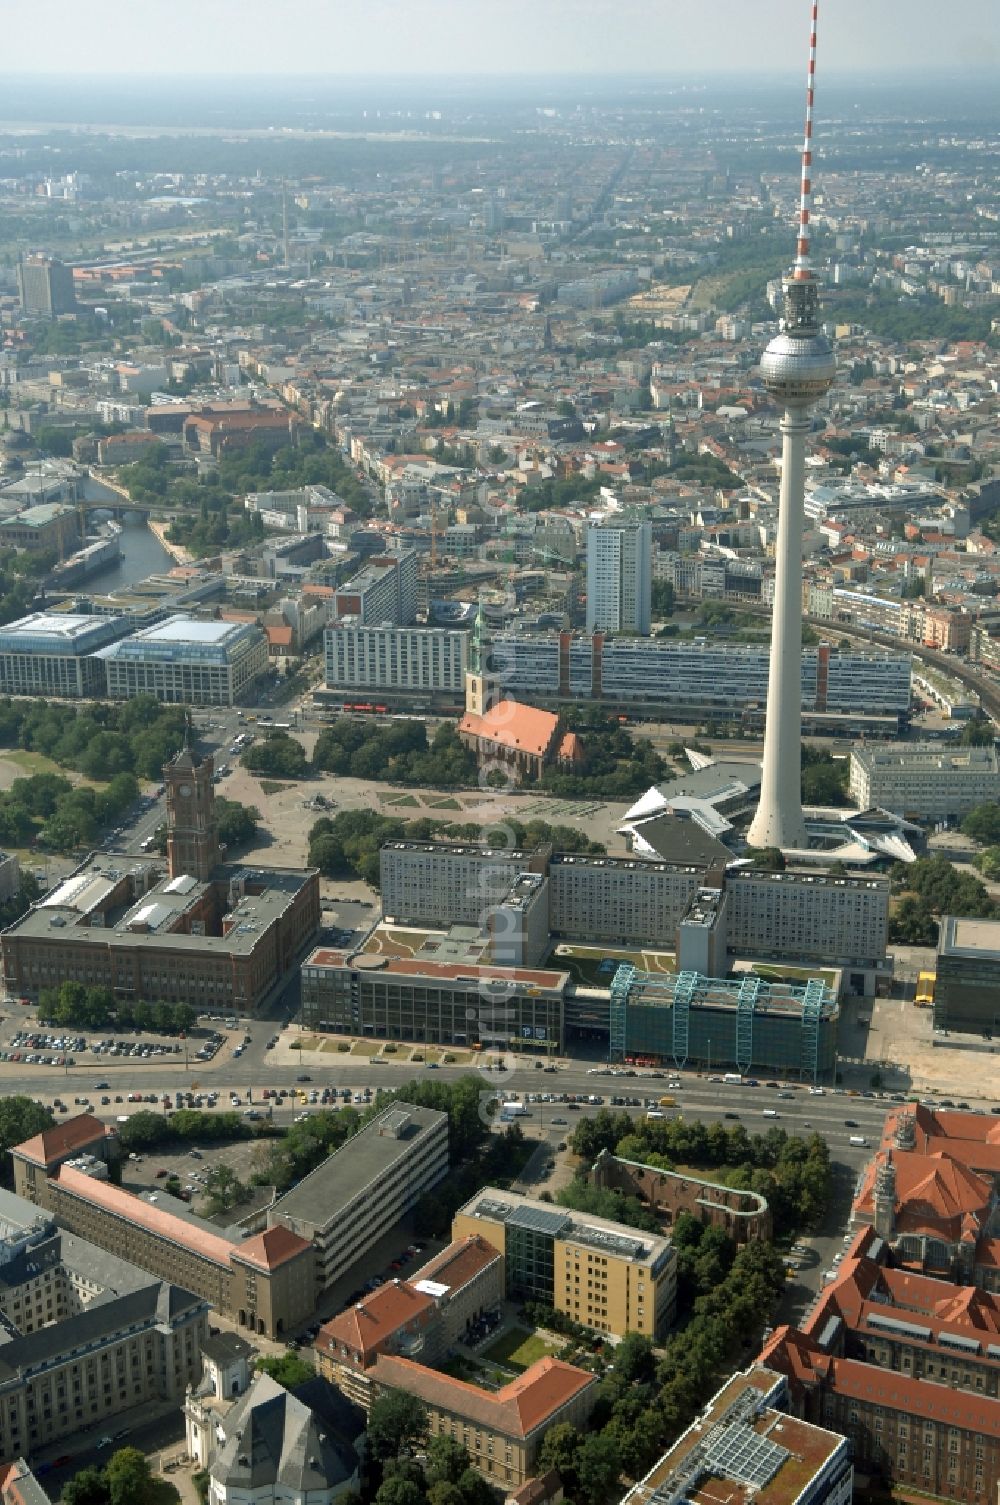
(142, 552)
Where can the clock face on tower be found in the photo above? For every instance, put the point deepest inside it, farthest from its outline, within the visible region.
(185, 791)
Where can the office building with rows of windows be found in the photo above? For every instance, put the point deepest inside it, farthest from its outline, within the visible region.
(86, 1334)
(694, 678)
(346, 1204)
(50, 654)
(923, 779)
(606, 1276)
(183, 661)
(839, 921)
(395, 660)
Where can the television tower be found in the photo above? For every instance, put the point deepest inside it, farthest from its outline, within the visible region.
(798, 367)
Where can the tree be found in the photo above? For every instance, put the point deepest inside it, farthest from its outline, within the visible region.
(978, 733)
(88, 1487)
(395, 1490)
(286, 1369)
(21, 1119)
(771, 859)
(396, 1421)
(278, 756)
(634, 1360)
(560, 1450)
(235, 824)
(983, 824)
(224, 1188)
(447, 1460)
(598, 1468)
(988, 863)
(128, 1477)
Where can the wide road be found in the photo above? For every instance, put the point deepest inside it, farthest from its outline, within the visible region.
(697, 1095)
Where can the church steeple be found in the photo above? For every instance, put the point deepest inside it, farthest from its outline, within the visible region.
(482, 689)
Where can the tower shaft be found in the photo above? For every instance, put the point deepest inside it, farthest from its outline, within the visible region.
(778, 821)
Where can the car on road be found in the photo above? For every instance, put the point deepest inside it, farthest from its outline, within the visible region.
(104, 1442)
(850, 1123)
(303, 1077)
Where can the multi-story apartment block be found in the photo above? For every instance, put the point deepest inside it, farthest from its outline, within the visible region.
(383, 592)
(396, 660)
(604, 1275)
(619, 576)
(50, 654)
(838, 921)
(187, 662)
(923, 780)
(907, 1368)
(45, 286)
(87, 1334)
(346, 1204)
(692, 678)
(439, 883)
(746, 1446)
(619, 899)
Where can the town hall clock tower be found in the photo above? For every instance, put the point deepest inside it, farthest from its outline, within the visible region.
(192, 842)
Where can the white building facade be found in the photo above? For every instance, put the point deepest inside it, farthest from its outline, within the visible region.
(923, 779)
(619, 577)
(387, 659)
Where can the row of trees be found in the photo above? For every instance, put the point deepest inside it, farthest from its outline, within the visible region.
(395, 750)
(60, 816)
(347, 845)
(929, 888)
(73, 1005)
(399, 752)
(97, 741)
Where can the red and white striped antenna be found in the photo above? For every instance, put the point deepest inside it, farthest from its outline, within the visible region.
(803, 265)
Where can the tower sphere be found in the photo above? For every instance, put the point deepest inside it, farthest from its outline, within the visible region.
(798, 369)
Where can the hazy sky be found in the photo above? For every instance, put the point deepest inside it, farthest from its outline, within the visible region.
(493, 36)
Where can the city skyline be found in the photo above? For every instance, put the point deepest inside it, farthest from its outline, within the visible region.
(518, 38)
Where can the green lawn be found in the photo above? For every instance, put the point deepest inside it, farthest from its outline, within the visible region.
(778, 972)
(584, 963)
(517, 1348)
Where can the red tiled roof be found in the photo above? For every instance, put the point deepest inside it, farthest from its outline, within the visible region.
(459, 1263)
(281, 637)
(64, 1139)
(516, 1410)
(274, 1247)
(570, 748)
(364, 1327)
(523, 728)
(154, 1219)
(934, 1193)
(915, 1397)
